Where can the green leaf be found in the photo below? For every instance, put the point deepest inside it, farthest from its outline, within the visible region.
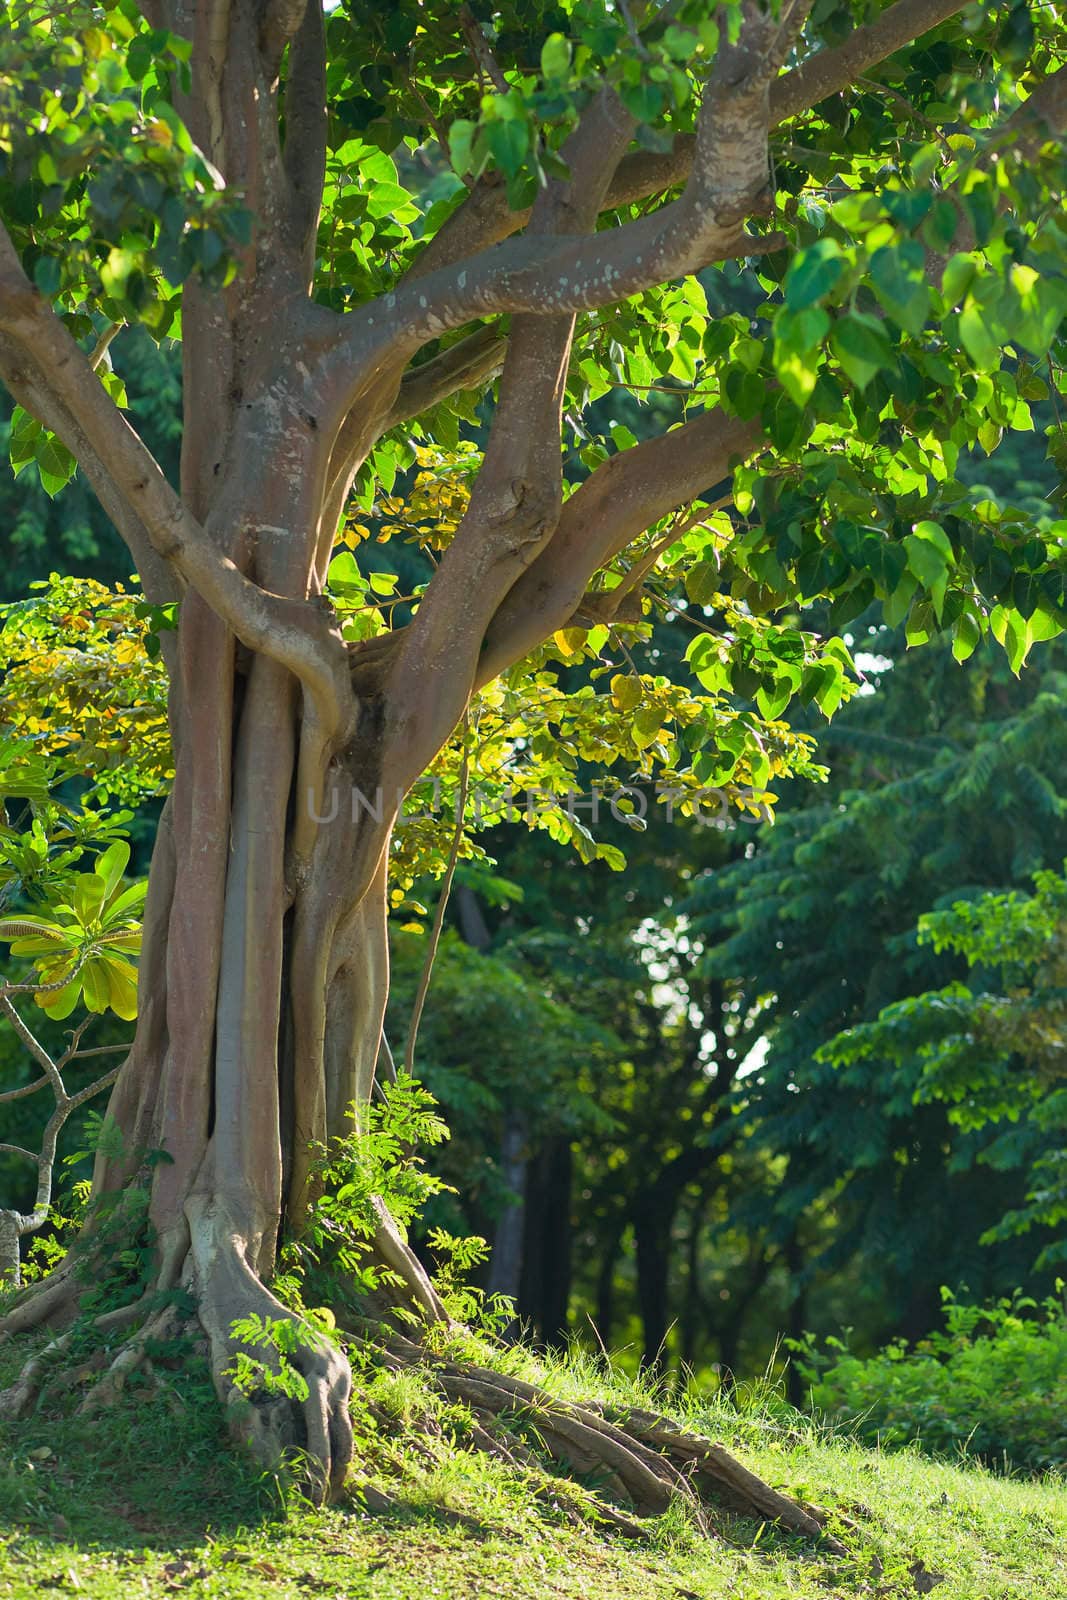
(555, 57)
(626, 691)
(61, 1002)
(966, 637)
(958, 276)
(930, 558)
(111, 865)
(813, 273)
(121, 980)
(899, 286)
(647, 726)
(977, 339)
(460, 144)
(22, 446)
(702, 582)
(344, 576)
(55, 463)
(861, 345)
(509, 143)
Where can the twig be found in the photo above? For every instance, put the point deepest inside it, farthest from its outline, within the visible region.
(442, 903)
(100, 348)
(640, 49)
(13, 1224)
(481, 49)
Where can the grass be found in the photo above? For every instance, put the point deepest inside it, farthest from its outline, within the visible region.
(149, 1499)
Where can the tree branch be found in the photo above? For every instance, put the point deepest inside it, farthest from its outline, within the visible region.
(518, 494)
(481, 49)
(13, 1224)
(69, 399)
(280, 20)
(304, 152)
(547, 277)
(485, 219)
(615, 505)
(470, 364)
(1041, 117)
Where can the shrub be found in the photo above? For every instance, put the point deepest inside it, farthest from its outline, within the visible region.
(992, 1385)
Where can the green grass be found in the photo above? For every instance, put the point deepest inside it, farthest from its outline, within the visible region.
(149, 1499)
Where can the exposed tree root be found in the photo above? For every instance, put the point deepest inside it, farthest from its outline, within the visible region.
(641, 1458)
(20, 1399)
(47, 1303)
(132, 1357)
(271, 1424)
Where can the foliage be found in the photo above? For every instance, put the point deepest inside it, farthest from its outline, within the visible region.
(72, 533)
(992, 1385)
(130, 208)
(378, 1160)
(943, 782)
(80, 949)
(991, 1050)
(80, 689)
(279, 1335)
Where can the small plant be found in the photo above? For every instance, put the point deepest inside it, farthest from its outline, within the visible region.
(992, 1385)
(377, 1164)
(456, 1257)
(280, 1335)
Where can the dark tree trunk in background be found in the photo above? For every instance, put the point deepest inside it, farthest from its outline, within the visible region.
(796, 1323)
(652, 1243)
(605, 1285)
(692, 1319)
(505, 1263)
(545, 1288)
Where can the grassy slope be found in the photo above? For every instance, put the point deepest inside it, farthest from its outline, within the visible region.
(146, 1499)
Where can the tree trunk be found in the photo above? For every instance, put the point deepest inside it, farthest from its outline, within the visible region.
(652, 1242)
(605, 1285)
(796, 1324)
(505, 1264)
(545, 1288)
(692, 1321)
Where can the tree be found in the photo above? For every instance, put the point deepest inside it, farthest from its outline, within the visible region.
(947, 785)
(228, 162)
(991, 1050)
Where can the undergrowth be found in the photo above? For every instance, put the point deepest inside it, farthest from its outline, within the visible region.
(992, 1385)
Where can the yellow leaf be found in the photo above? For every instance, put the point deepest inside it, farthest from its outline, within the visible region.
(626, 691)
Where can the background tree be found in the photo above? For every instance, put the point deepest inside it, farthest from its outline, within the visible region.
(946, 783)
(230, 162)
